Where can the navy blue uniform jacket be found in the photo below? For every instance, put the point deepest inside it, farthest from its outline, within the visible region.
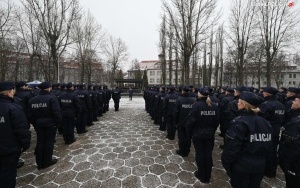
(14, 132)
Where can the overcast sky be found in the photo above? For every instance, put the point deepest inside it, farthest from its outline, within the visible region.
(136, 22)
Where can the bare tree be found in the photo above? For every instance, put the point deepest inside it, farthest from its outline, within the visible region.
(88, 36)
(276, 21)
(170, 52)
(116, 53)
(6, 22)
(242, 26)
(55, 18)
(163, 49)
(191, 20)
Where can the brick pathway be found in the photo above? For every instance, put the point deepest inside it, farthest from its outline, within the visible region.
(123, 149)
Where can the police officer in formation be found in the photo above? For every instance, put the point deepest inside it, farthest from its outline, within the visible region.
(70, 107)
(116, 95)
(249, 144)
(273, 111)
(168, 112)
(202, 123)
(223, 107)
(85, 106)
(183, 107)
(45, 116)
(289, 147)
(15, 136)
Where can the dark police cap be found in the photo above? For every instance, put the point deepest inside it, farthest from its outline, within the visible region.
(203, 90)
(185, 88)
(230, 90)
(251, 98)
(69, 85)
(171, 88)
(45, 85)
(4, 86)
(294, 90)
(271, 90)
(241, 88)
(20, 84)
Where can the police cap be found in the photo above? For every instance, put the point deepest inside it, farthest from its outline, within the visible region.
(45, 85)
(4, 86)
(294, 90)
(251, 98)
(271, 90)
(20, 84)
(241, 88)
(69, 85)
(203, 90)
(230, 90)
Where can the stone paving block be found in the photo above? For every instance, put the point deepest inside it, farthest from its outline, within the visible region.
(85, 175)
(169, 179)
(132, 162)
(72, 184)
(124, 155)
(91, 184)
(104, 174)
(150, 181)
(122, 172)
(44, 178)
(172, 167)
(147, 161)
(110, 156)
(132, 182)
(162, 160)
(82, 166)
(157, 169)
(65, 177)
(25, 180)
(140, 170)
(99, 164)
(116, 163)
(111, 183)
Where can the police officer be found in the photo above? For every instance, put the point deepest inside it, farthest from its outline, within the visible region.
(273, 111)
(202, 123)
(70, 106)
(223, 106)
(116, 95)
(15, 136)
(85, 105)
(232, 111)
(168, 112)
(45, 116)
(289, 147)
(159, 108)
(183, 107)
(249, 144)
(290, 97)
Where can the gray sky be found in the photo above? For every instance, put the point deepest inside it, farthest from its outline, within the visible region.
(136, 22)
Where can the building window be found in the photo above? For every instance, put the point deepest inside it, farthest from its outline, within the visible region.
(294, 76)
(158, 73)
(158, 80)
(282, 76)
(294, 83)
(290, 75)
(290, 82)
(151, 80)
(152, 73)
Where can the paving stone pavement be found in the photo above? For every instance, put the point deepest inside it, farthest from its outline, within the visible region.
(123, 149)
